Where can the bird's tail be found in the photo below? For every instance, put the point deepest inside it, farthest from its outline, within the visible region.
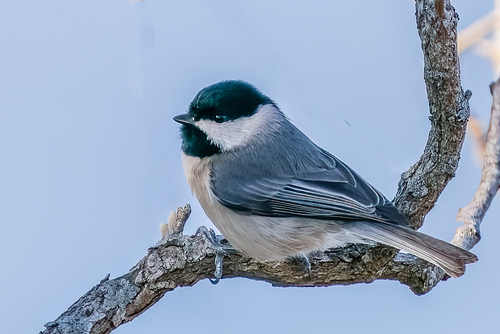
(450, 258)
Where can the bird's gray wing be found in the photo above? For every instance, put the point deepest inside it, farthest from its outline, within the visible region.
(332, 193)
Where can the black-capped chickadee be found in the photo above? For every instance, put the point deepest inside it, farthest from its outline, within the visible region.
(273, 193)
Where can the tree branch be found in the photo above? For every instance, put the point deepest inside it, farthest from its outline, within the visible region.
(422, 184)
(468, 235)
(181, 260)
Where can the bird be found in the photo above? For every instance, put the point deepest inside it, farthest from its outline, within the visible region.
(274, 194)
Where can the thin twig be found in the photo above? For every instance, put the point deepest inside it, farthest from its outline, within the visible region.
(468, 235)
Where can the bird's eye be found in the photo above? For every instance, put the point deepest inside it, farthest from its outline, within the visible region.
(220, 118)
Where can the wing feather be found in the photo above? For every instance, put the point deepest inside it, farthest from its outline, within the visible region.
(330, 193)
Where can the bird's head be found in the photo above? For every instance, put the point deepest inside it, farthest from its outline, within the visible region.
(224, 116)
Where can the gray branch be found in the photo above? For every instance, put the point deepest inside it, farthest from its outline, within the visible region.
(468, 235)
(421, 185)
(181, 260)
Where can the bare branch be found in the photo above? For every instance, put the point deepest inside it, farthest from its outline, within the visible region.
(478, 135)
(184, 260)
(476, 31)
(421, 185)
(176, 221)
(181, 260)
(468, 235)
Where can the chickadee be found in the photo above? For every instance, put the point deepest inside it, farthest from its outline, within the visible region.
(273, 193)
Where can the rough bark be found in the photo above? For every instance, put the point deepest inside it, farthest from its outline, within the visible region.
(181, 260)
(422, 184)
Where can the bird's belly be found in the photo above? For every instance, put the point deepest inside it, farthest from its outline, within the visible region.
(271, 238)
(260, 237)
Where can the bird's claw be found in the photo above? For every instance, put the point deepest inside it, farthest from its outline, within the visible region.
(307, 264)
(304, 261)
(219, 259)
(221, 249)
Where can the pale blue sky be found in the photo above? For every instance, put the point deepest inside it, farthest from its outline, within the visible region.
(90, 159)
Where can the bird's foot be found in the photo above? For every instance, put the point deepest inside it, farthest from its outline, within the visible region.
(220, 246)
(304, 261)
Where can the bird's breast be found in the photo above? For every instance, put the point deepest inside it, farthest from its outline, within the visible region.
(197, 171)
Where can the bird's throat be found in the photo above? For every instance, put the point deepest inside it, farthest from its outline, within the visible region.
(196, 143)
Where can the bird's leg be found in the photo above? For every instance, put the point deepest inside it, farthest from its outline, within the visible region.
(303, 259)
(220, 247)
(307, 264)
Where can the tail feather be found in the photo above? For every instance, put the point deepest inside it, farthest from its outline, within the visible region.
(450, 258)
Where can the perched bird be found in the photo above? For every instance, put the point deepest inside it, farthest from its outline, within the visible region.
(273, 193)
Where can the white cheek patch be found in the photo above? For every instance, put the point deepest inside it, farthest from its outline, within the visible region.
(231, 134)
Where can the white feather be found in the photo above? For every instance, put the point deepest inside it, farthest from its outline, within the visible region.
(234, 133)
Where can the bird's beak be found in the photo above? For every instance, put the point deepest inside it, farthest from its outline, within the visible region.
(184, 119)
